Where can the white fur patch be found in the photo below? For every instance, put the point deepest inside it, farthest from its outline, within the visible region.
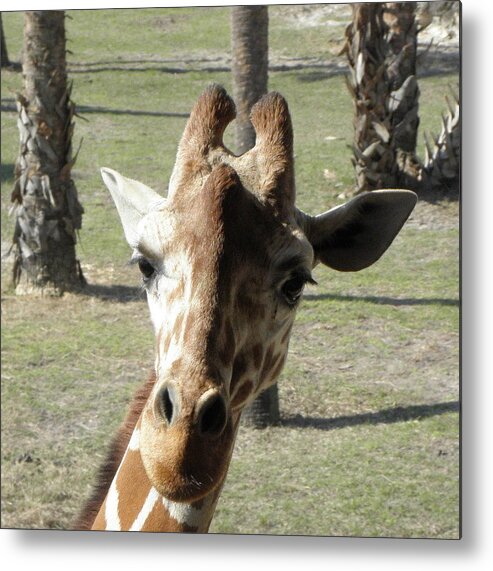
(151, 499)
(111, 511)
(184, 513)
(134, 440)
(111, 515)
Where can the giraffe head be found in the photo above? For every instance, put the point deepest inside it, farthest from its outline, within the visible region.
(224, 258)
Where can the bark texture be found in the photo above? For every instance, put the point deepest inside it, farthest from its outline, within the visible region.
(45, 202)
(249, 43)
(381, 46)
(264, 410)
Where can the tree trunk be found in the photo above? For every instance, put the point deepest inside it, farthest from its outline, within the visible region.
(249, 42)
(250, 55)
(5, 56)
(264, 410)
(47, 209)
(402, 47)
(381, 49)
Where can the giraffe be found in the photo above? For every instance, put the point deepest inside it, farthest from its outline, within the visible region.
(224, 259)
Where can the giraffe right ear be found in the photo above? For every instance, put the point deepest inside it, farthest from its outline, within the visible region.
(133, 201)
(354, 235)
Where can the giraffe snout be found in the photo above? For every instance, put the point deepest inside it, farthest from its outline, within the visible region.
(186, 439)
(210, 413)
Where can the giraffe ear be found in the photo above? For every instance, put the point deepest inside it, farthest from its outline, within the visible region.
(133, 201)
(354, 235)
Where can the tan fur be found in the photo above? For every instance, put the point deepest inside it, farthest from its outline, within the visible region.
(132, 476)
(159, 520)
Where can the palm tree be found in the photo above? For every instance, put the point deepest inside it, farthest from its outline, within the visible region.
(249, 46)
(402, 46)
(47, 209)
(381, 46)
(250, 55)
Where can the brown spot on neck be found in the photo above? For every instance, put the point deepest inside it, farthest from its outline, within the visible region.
(257, 354)
(244, 391)
(133, 487)
(240, 367)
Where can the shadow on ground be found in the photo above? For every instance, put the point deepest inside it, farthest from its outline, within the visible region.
(8, 105)
(115, 293)
(385, 416)
(383, 300)
(6, 170)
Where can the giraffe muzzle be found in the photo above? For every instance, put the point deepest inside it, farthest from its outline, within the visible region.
(186, 442)
(210, 412)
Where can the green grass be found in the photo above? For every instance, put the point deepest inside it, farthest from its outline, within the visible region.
(369, 444)
(350, 483)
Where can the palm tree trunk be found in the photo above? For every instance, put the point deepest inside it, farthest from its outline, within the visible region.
(264, 410)
(47, 209)
(381, 50)
(250, 55)
(249, 42)
(402, 46)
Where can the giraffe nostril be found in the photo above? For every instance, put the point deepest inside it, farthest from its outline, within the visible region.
(212, 416)
(167, 405)
(167, 402)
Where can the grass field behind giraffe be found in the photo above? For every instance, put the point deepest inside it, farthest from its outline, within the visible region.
(368, 443)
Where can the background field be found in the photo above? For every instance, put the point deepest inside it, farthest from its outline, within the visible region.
(369, 439)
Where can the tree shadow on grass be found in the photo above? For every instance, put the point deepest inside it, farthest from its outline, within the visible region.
(82, 109)
(445, 193)
(114, 293)
(320, 75)
(8, 105)
(434, 61)
(385, 416)
(6, 172)
(89, 65)
(200, 65)
(384, 300)
(13, 66)
(143, 69)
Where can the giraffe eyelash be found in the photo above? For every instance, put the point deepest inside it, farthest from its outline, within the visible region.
(144, 263)
(147, 269)
(292, 289)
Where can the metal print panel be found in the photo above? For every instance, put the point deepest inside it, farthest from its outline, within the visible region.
(281, 354)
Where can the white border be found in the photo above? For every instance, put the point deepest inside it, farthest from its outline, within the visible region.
(57, 550)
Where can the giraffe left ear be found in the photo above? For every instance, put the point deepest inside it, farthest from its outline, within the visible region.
(354, 235)
(132, 200)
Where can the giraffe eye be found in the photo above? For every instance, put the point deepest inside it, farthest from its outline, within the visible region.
(293, 288)
(146, 268)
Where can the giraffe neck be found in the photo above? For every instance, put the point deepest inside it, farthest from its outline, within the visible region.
(133, 504)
